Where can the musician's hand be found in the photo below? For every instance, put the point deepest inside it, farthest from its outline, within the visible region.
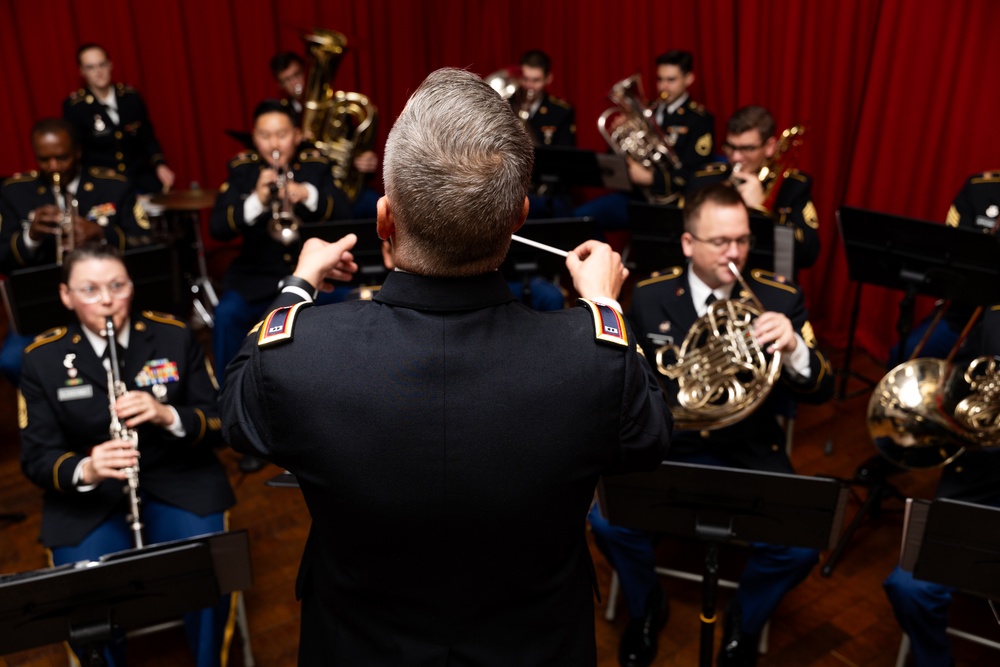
(166, 176)
(320, 260)
(774, 331)
(638, 174)
(296, 192)
(367, 162)
(750, 189)
(108, 461)
(86, 230)
(140, 407)
(44, 222)
(263, 187)
(597, 270)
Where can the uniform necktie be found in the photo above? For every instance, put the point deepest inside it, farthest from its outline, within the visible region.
(711, 299)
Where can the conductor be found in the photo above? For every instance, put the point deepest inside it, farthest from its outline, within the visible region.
(446, 437)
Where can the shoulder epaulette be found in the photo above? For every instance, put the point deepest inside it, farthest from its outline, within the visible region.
(986, 177)
(559, 102)
(277, 326)
(78, 95)
(312, 155)
(609, 325)
(796, 175)
(246, 157)
(21, 177)
(124, 88)
(712, 169)
(697, 108)
(995, 307)
(163, 318)
(661, 276)
(45, 337)
(772, 279)
(103, 172)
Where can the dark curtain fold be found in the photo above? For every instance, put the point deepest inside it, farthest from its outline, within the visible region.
(900, 99)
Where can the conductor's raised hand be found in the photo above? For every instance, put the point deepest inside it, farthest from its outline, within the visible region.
(320, 260)
(597, 270)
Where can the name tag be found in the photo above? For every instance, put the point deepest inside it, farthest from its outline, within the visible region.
(75, 393)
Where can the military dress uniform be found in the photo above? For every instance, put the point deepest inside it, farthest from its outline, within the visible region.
(251, 281)
(977, 205)
(427, 446)
(662, 312)
(128, 147)
(921, 607)
(102, 196)
(63, 413)
(554, 122)
(690, 129)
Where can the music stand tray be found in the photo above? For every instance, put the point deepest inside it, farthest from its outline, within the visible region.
(953, 543)
(575, 167)
(130, 589)
(720, 505)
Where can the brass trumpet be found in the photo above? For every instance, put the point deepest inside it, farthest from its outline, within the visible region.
(284, 225)
(65, 233)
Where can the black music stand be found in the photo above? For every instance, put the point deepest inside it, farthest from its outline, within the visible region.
(367, 251)
(31, 295)
(523, 262)
(564, 167)
(85, 602)
(656, 239)
(722, 505)
(953, 543)
(917, 257)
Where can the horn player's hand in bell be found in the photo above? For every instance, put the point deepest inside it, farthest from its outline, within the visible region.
(774, 332)
(597, 270)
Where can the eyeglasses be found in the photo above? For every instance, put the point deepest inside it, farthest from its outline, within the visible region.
(750, 148)
(721, 242)
(118, 289)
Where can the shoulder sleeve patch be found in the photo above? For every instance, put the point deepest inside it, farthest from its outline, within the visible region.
(163, 318)
(609, 325)
(46, 337)
(660, 276)
(953, 217)
(277, 326)
(704, 144)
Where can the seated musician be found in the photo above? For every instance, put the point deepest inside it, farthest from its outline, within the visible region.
(32, 212)
(921, 607)
(289, 72)
(114, 126)
(664, 308)
(784, 195)
(171, 404)
(243, 209)
(688, 128)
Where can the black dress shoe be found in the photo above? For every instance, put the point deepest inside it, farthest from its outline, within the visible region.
(250, 463)
(637, 647)
(739, 649)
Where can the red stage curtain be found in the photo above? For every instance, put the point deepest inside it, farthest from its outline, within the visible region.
(900, 99)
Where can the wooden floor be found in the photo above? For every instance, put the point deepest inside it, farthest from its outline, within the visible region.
(826, 622)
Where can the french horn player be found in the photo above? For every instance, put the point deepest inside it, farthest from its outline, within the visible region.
(700, 298)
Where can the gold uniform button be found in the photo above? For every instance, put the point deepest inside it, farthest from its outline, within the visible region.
(705, 433)
(121, 166)
(119, 155)
(287, 257)
(118, 134)
(775, 448)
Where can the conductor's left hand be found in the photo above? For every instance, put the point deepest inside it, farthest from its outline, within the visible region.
(320, 260)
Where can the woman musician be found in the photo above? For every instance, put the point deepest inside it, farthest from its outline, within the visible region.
(170, 402)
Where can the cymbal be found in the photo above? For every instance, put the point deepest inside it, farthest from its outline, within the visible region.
(186, 200)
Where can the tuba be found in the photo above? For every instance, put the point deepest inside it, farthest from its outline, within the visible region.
(722, 372)
(631, 131)
(342, 124)
(65, 241)
(119, 431)
(926, 412)
(506, 83)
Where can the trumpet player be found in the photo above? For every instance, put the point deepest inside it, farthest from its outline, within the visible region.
(243, 209)
(664, 308)
(35, 212)
(170, 402)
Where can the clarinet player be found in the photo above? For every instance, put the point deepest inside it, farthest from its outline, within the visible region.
(170, 402)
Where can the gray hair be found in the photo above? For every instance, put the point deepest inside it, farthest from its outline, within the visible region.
(456, 169)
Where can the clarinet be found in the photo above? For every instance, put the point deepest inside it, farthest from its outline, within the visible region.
(119, 431)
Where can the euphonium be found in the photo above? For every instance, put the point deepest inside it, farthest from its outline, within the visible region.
(507, 84)
(634, 132)
(722, 372)
(119, 431)
(342, 124)
(65, 241)
(284, 225)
